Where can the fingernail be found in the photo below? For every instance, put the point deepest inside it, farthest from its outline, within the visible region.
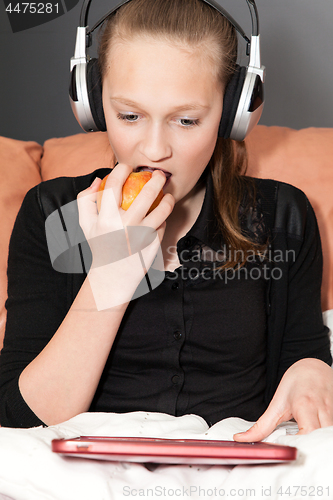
(94, 183)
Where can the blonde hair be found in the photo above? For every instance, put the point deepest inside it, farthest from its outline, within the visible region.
(194, 24)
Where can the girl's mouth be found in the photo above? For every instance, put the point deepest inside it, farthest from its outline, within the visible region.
(151, 169)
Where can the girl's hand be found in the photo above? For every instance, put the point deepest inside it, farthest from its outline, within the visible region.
(305, 393)
(111, 216)
(121, 257)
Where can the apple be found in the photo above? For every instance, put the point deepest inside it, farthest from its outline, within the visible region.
(132, 187)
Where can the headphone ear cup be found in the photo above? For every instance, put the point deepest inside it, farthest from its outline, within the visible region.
(94, 88)
(231, 101)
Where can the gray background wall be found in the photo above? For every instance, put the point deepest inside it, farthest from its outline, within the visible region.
(297, 42)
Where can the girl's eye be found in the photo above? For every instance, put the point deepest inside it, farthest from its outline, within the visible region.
(187, 122)
(130, 118)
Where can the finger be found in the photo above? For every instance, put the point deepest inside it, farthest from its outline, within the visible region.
(256, 433)
(307, 419)
(161, 230)
(93, 188)
(146, 197)
(264, 426)
(109, 213)
(86, 201)
(325, 417)
(112, 194)
(161, 212)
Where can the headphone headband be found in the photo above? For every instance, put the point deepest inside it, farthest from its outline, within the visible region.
(251, 4)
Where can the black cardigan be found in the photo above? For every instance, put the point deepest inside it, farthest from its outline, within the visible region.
(295, 327)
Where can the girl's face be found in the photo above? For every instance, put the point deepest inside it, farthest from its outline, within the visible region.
(162, 106)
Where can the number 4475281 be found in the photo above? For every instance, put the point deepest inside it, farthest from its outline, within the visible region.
(33, 8)
(303, 491)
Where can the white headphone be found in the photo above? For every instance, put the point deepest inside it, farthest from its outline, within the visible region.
(243, 99)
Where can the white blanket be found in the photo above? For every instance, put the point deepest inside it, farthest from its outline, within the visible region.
(29, 470)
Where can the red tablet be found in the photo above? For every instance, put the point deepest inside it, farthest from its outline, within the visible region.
(173, 451)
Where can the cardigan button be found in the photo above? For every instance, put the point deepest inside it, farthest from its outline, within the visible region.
(175, 379)
(178, 335)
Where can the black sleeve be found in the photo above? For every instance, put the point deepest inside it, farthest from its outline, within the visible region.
(36, 306)
(305, 335)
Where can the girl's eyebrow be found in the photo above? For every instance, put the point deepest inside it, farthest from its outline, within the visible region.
(188, 106)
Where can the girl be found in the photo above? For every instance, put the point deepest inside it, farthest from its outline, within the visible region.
(221, 335)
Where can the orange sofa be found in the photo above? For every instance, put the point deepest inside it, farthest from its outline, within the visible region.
(302, 158)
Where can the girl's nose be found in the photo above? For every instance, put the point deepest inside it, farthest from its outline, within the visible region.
(155, 145)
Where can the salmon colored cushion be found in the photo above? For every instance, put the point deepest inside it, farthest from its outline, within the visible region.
(76, 155)
(19, 171)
